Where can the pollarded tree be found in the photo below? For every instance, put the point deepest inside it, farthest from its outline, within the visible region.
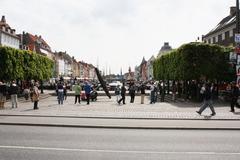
(18, 64)
(193, 61)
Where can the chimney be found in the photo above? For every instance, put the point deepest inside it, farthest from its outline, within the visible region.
(166, 44)
(233, 10)
(3, 19)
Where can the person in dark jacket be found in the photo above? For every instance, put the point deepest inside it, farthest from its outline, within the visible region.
(234, 96)
(207, 96)
(132, 92)
(13, 91)
(123, 93)
(60, 90)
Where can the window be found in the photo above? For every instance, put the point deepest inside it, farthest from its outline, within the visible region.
(213, 40)
(219, 37)
(216, 39)
(231, 33)
(227, 35)
(223, 36)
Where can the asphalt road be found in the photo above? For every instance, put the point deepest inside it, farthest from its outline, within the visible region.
(56, 143)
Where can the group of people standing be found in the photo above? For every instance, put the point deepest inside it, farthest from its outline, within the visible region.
(77, 88)
(12, 91)
(121, 93)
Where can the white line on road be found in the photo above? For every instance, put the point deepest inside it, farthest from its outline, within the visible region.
(114, 151)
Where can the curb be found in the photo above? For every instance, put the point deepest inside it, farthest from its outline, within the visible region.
(117, 127)
(137, 118)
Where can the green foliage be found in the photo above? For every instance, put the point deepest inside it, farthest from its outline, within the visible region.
(19, 64)
(193, 61)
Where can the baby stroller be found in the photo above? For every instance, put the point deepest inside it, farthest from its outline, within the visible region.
(93, 96)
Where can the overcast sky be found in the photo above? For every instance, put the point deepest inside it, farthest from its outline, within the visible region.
(114, 33)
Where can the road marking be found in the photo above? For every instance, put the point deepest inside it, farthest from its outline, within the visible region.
(115, 151)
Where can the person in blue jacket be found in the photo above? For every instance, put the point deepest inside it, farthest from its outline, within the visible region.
(87, 89)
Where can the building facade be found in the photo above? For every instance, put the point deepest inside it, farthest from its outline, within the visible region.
(150, 68)
(63, 63)
(164, 49)
(223, 33)
(36, 44)
(8, 36)
(143, 70)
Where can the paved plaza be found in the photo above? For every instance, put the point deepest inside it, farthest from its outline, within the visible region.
(108, 108)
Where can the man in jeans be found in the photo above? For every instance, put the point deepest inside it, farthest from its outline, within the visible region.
(87, 89)
(13, 91)
(60, 93)
(207, 96)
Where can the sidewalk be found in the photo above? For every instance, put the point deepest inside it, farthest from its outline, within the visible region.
(106, 113)
(108, 108)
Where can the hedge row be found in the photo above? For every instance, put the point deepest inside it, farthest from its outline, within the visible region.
(24, 65)
(194, 61)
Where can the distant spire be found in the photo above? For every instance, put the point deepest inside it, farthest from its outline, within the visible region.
(3, 19)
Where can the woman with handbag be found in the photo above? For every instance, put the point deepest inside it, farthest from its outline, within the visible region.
(35, 95)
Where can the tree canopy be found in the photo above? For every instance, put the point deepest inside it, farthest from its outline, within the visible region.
(193, 61)
(23, 65)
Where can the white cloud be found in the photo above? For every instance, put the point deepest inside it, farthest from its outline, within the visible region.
(116, 32)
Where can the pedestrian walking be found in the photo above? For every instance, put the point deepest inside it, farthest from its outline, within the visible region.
(234, 96)
(132, 89)
(35, 95)
(60, 93)
(123, 93)
(153, 93)
(117, 92)
(13, 91)
(207, 101)
(77, 91)
(87, 89)
(142, 90)
(3, 93)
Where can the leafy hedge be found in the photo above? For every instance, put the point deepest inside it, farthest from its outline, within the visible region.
(193, 61)
(23, 65)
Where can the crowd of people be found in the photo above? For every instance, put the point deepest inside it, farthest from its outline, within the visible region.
(207, 92)
(12, 91)
(61, 90)
(133, 89)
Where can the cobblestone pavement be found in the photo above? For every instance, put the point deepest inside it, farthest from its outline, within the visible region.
(108, 108)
